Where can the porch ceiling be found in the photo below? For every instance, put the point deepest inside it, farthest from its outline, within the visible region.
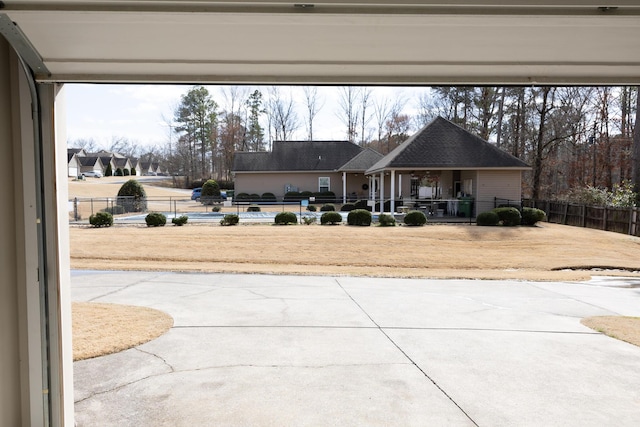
(334, 41)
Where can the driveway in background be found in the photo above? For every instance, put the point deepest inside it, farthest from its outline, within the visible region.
(258, 350)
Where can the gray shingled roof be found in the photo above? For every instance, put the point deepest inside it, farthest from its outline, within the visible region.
(442, 144)
(362, 161)
(297, 156)
(88, 161)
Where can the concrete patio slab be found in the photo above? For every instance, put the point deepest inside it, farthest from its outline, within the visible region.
(314, 351)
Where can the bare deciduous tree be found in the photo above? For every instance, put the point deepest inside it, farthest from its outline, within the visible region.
(313, 103)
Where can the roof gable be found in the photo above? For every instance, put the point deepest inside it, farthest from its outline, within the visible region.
(442, 144)
(297, 156)
(362, 161)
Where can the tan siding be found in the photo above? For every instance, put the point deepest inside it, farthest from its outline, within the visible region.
(259, 183)
(501, 184)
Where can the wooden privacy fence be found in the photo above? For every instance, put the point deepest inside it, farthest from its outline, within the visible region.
(619, 220)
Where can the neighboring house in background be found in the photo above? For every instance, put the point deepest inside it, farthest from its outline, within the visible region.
(156, 169)
(445, 161)
(80, 152)
(435, 167)
(91, 163)
(116, 160)
(124, 163)
(314, 166)
(106, 158)
(146, 168)
(135, 164)
(73, 164)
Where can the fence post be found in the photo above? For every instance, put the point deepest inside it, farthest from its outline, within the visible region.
(604, 218)
(75, 209)
(564, 214)
(583, 218)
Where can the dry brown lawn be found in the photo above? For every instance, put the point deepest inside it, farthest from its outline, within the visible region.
(547, 252)
(544, 252)
(623, 328)
(100, 329)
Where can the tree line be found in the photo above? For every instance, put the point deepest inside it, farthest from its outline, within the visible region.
(572, 137)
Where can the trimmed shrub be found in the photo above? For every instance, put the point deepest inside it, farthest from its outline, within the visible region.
(114, 210)
(284, 218)
(509, 217)
(126, 172)
(230, 219)
(305, 195)
(330, 217)
(415, 218)
(109, 170)
(101, 219)
(532, 215)
(132, 197)
(215, 209)
(133, 171)
(348, 207)
(253, 208)
(180, 221)
(242, 197)
(359, 217)
(312, 208)
(155, 219)
(210, 192)
(328, 207)
(253, 197)
(386, 220)
(268, 197)
(489, 218)
(119, 172)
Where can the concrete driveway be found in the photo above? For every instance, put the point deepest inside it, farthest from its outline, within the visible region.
(255, 350)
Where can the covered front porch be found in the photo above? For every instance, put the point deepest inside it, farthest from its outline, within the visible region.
(437, 193)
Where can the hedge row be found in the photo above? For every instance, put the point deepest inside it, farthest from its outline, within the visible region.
(510, 217)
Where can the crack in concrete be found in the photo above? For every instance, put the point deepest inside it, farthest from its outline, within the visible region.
(404, 353)
(121, 386)
(613, 313)
(162, 359)
(329, 365)
(122, 288)
(207, 368)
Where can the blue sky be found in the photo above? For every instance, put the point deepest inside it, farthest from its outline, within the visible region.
(141, 113)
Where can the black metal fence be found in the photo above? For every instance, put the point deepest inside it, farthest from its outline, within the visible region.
(619, 220)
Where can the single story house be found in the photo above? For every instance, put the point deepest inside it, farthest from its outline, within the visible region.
(123, 163)
(316, 166)
(444, 163)
(91, 163)
(73, 164)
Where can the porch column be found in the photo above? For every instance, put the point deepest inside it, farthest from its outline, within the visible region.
(393, 191)
(381, 191)
(344, 187)
(400, 186)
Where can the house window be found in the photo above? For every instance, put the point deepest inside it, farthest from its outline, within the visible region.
(324, 183)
